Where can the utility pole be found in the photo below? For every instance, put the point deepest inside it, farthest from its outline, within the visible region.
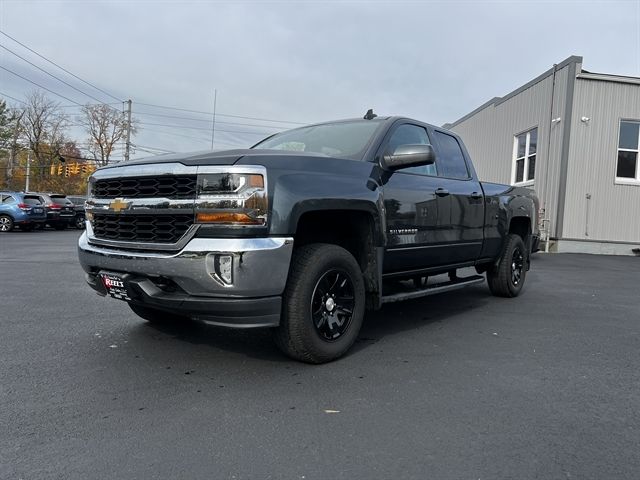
(213, 127)
(128, 143)
(26, 183)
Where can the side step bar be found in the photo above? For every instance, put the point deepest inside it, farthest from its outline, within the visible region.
(433, 289)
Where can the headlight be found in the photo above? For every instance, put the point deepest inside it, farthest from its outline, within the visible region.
(230, 199)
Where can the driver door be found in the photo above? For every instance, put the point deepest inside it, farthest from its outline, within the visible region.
(411, 207)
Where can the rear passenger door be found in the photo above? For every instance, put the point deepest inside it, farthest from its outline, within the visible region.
(461, 219)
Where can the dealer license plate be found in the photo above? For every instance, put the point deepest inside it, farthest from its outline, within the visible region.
(37, 210)
(114, 284)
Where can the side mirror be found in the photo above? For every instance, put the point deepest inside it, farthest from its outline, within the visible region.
(409, 156)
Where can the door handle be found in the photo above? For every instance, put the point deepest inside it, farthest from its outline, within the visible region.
(442, 192)
(476, 195)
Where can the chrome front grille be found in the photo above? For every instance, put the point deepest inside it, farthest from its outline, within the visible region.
(149, 206)
(141, 228)
(169, 186)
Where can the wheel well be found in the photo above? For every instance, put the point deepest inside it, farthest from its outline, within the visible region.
(351, 229)
(521, 226)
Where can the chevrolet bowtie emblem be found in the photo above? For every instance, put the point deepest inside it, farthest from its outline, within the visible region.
(119, 204)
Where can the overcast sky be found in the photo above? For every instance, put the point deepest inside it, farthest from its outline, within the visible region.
(305, 61)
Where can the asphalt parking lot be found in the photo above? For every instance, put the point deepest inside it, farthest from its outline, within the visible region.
(456, 386)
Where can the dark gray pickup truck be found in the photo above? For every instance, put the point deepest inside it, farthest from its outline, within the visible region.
(305, 231)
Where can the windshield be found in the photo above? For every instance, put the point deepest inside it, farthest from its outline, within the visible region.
(343, 140)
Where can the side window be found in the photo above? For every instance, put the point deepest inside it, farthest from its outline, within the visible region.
(524, 157)
(407, 134)
(628, 150)
(450, 158)
(8, 199)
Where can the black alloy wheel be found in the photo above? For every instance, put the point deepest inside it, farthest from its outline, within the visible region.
(517, 265)
(332, 304)
(507, 278)
(323, 304)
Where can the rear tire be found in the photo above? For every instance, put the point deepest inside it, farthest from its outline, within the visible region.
(158, 317)
(323, 304)
(507, 279)
(6, 223)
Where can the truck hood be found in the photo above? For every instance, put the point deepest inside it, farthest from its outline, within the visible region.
(226, 157)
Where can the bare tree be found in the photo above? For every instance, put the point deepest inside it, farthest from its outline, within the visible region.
(42, 129)
(9, 132)
(106, 127)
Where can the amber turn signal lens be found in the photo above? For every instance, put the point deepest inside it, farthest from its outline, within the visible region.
(255, 181)
(237, 218)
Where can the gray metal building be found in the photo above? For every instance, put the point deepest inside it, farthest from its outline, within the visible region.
(574, 137)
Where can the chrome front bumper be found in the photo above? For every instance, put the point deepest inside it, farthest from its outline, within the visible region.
(260, 265)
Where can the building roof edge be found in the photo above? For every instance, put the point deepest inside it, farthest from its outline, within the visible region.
(495, 101)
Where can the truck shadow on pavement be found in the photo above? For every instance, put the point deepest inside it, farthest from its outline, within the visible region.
(435, 311)
(392, 319)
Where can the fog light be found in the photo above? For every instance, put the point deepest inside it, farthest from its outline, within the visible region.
(224, 268)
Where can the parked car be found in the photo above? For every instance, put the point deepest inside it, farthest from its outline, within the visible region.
(304, 231)
(23, 210)
(60, 211)
(78, 203)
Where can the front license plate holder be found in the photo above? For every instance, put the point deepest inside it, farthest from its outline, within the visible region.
(115, 286)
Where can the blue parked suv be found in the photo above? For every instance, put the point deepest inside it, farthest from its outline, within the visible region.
(20, 209)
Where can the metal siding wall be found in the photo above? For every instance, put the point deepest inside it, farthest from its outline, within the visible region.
(614, 210)
(489, 135)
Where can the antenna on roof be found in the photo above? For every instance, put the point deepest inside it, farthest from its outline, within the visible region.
(370, 115)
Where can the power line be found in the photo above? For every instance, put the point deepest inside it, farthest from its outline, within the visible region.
(246, 132)
(279, 127)
(61, 68)
(174, 126)
(190, 137)
(176, 134)
(13, 98)
(51, 74)
(148, 151)
(38, 85)
(206, 129)
(91, 104)
(145, 148)
(220, 114)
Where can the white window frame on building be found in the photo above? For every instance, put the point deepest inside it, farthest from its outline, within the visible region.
(525, 157)
(635, 180)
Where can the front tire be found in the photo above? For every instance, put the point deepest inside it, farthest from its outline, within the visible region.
(507, 279)
(6, 223)
(323, 304)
